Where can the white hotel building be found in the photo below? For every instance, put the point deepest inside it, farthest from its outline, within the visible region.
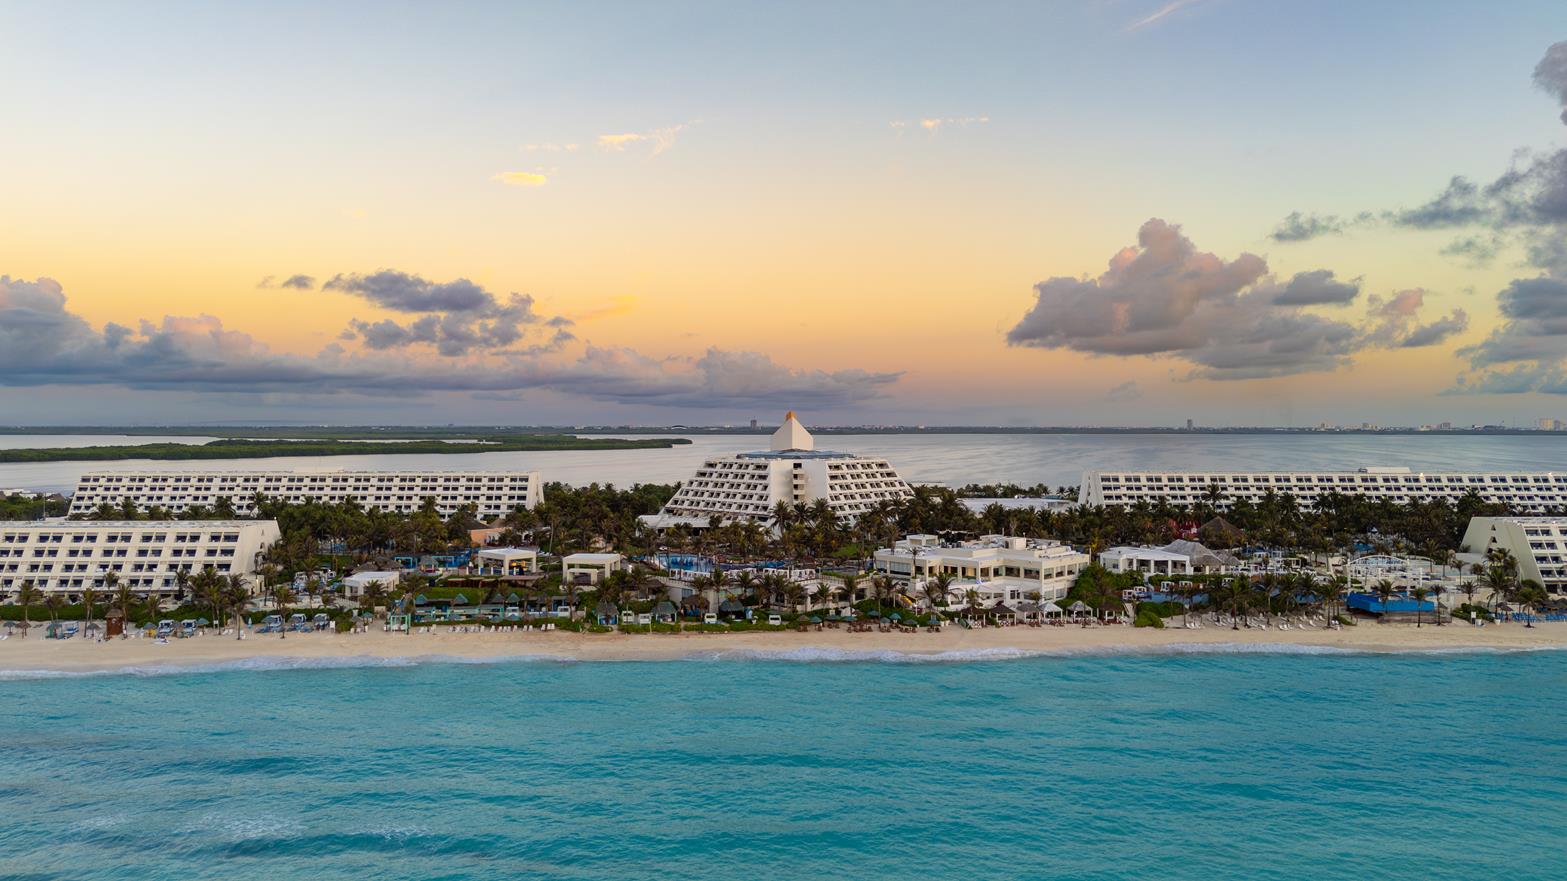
(1000, 568)
(61, 556)
(1525, 491)
(1539, 544)
(749, 485)
(399, 492)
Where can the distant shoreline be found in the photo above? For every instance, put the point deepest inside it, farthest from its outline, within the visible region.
(460, 432)
(34, 656)
(273, 449)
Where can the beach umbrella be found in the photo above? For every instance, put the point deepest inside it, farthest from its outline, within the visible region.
(895, 617)
(420, 600)
(460, 600)
(815, 620)
(202, 622)
(513, 598)
(873, 613)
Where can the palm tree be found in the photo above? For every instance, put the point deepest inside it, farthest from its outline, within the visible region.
(938, 589)
(1420, 593)
(54, 602)
(26, 595)
(181, 585)
(374, 594)
(1332, 593)
(1385, 591)
(235, 594)
(89, 598)
(282, 595)
(881, 589)
(152, 601)
(1501, 582)
(123, 597)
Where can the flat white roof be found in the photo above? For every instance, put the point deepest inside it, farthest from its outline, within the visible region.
(1144, 553)
(133, 524)
(591, 558)
(508, 553)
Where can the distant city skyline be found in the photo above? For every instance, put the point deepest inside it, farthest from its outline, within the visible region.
(1106, 213)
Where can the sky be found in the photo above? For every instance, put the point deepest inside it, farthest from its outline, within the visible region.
(1097, 212)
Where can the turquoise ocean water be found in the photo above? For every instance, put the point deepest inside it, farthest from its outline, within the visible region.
(1211, 765)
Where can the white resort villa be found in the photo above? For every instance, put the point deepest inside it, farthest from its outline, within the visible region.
(61, 556)
(400, 492)
(1180, 557)
(748, 486)
(1000, 568)
(1533, 491)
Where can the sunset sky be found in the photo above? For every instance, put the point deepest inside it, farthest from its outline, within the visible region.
(1123, 212)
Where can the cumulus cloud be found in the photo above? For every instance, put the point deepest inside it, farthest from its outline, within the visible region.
(1395, 321)
(1300, 227)
(1228, 319)
(405, 292)
(521, 179)
(43, 343)
(658, 140)
(1315, 288)
(1524, 206)
(1478, 251)
(1551, 75)
(298, 281)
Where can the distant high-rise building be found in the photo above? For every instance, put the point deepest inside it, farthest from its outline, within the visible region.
(1548, 424)
(753, 423)
(1190, 425)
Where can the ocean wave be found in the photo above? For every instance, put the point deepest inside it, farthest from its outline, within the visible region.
(824, 655)
(801, 655)
(278, 662)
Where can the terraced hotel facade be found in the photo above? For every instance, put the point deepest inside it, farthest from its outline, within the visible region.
(67, 557)
(400, 492)
(749, 486)
(1533, 492)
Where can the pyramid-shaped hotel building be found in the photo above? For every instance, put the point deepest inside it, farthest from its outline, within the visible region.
(748, 486)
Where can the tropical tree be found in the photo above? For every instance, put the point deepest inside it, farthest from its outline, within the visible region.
(236, 593)
(152, 601)
(26, 596)
(282, 595)
(1384, 590)
(89, 599)
(54, 602)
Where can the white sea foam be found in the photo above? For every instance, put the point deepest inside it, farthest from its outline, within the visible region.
(802, 654)
(277, 662)
(814, 654)
(228, 827)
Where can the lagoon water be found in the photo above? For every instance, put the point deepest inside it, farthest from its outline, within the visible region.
(951, 459)
(1179, 766)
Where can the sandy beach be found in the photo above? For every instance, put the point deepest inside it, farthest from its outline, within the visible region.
(78, 655)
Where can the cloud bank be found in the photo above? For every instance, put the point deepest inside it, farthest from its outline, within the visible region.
(43, 343)
(1525, 207)
(1227, 319)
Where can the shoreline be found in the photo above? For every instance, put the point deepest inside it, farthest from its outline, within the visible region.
(40, 658)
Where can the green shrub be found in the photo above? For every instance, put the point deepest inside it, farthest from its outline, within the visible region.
(1148, 618)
